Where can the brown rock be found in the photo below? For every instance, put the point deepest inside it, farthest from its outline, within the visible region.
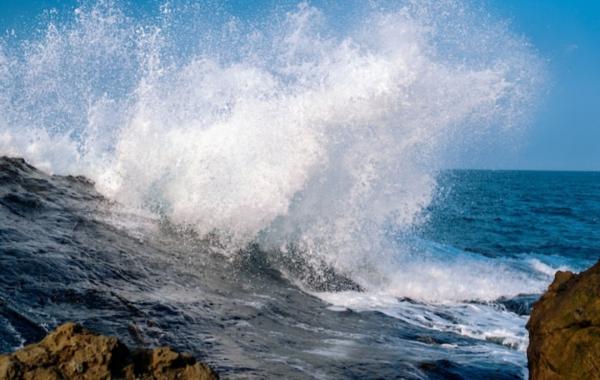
(564, 328)
(72, 352)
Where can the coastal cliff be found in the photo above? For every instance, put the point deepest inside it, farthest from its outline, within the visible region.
(72, 352)
(564, 328)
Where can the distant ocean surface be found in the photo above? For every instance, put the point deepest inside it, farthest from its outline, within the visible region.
(489, 243)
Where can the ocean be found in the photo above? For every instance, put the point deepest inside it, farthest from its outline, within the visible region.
(271, 192)
(489, 246)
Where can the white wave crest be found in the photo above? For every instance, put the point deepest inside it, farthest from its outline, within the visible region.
(293, 135)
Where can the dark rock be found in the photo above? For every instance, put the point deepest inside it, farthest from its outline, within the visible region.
(520, 304)
(564, 328)
(72, 352)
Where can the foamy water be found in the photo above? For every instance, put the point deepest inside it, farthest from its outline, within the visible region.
(305, 138)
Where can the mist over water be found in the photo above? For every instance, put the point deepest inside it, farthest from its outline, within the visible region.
(291, 133)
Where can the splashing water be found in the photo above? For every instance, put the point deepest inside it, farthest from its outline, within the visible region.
(293, 135)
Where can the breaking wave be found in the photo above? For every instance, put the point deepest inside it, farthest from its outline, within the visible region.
(293, 133)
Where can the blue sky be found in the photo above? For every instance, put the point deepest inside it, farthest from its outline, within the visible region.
(565, 130)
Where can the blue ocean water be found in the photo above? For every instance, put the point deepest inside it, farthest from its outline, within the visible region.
(520, 213)
(67, 253)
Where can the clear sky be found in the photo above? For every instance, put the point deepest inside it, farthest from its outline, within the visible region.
(566, 33)
(565, 130)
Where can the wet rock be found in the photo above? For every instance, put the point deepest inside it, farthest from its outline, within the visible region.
(564, 328)
(520, 304)
(72, 352)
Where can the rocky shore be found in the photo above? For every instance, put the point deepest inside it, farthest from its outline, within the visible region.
(564, 328)
(73, 352)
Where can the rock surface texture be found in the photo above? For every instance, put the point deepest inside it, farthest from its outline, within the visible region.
(564, 328)
(72, 352)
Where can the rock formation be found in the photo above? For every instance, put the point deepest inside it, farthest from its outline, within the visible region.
(564, 328)
(72, 352)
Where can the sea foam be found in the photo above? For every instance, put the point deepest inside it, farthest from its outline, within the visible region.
(288, 133)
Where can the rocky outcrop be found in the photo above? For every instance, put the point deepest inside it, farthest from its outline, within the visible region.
(72, 352)
(564, 328)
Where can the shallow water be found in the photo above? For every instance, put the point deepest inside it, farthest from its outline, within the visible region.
(70, 254)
